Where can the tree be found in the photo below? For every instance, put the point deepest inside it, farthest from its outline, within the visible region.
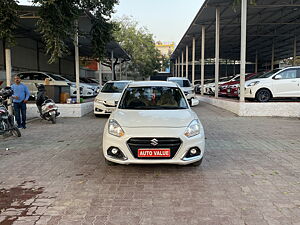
(8, 21)
(57, 24)
(140, 45)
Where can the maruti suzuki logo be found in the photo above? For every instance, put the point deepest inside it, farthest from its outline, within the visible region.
(154, 142)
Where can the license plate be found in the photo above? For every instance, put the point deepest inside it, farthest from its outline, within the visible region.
(228, 90)
(147, 153)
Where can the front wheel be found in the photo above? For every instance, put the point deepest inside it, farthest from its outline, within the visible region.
(198, 163)
(263, 95)
(15, 131)
(53, 119)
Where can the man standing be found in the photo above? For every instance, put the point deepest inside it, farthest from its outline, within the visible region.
(20, 98)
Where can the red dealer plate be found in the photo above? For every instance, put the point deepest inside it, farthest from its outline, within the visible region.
(152, 153)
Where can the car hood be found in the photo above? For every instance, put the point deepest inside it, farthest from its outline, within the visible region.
(154, 118)
(187, 88)
(109, 97)
(254, 80)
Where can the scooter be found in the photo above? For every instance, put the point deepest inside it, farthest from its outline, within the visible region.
(7, 121)
(47, 108)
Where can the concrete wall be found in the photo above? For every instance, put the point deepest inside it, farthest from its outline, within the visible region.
(66, 110)
(278, 109)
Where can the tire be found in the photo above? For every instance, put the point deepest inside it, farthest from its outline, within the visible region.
(198, 163)
(15, 131)
(263, 95)
(109, 163)
(53, 119)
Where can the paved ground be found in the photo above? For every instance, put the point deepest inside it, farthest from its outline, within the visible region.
(55, 174)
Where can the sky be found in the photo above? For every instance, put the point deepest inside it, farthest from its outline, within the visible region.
(167, 20)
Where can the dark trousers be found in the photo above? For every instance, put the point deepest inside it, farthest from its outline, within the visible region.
(20, 113)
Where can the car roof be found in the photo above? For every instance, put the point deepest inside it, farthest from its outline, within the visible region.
(177, 78)
(152, 83)
(118, 81)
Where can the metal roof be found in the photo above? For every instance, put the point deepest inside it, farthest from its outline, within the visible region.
(268, 21)
(26, 28)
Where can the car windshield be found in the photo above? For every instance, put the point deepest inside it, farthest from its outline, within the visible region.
(114, 87)
(57, 78)
(182, 83)
(268, 74)
(153, 98)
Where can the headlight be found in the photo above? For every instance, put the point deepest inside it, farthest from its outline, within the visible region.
(115, 129)
(253, 83)
(99, 101)
(234, 86)
(193, 129)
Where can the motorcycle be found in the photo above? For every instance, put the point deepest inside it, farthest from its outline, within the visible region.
(47, 108)
(7, 121)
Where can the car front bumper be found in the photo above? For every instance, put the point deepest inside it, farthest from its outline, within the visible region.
(100, 109)
(250, 92)
(179, 158)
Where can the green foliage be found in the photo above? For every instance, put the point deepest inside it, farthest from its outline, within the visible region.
(8, 20)
(140, 45)
(57, 24)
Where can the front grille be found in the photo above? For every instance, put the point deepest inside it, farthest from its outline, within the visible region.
(139, 143)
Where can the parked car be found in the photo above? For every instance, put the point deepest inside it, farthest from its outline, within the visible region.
(94, 85)
(73, 89)
(279, 83)
(230, 88)
(32, 77)
(233, 88)
(87, 89)
(154, 124)
(211, 87)
(186, 87)
(109, 96)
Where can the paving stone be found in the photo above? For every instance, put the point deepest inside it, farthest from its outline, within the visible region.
(250, 175)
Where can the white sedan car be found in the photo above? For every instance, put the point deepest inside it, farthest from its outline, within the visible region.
(109, 96)
(153, 124)
(279, 83)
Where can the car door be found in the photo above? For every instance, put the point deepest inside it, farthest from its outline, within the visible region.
(287, 85)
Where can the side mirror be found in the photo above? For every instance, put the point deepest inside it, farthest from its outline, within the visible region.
(278, 77)
(194, 102)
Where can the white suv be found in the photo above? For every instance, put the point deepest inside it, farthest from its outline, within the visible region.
(186, 87)
(279, 83)
(153, 124)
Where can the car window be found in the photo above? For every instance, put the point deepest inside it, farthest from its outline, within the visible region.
(269, 74)
(114, 87)
(182, 83)
(56, 77)
(39, 76)
(289, 74)
(25, 76)
(153, 98)
(298, 73)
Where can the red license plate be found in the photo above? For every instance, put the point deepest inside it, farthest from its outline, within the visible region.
(152, 153)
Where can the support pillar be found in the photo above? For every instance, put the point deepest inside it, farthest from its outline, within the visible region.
(120, 71)
(217, 53)
(193, 60)
(8, 73)
(100, 73)
(77, 69)
(256, 62)
(273, 55)
(182, 64)
(295, 51)
(187, 61)
(112, 65)
(202, 59)
(243, 48)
